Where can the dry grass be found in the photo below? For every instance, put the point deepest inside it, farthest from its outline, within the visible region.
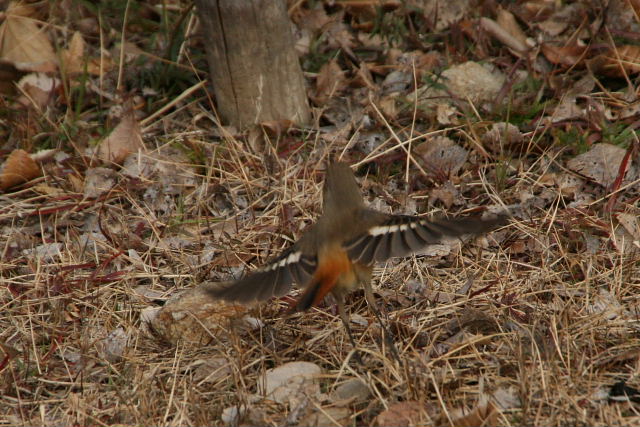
(540, 318)
(554, 325)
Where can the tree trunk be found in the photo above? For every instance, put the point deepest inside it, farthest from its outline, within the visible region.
(254, 68)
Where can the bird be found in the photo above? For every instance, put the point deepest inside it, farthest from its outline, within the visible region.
(336, 254)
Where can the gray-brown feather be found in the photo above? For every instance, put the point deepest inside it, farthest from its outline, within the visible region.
(400, 235)
(274, 279)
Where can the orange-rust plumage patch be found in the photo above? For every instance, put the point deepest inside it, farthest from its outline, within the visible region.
(333, 266)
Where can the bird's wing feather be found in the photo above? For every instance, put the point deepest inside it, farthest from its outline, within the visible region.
(271, 280)
(400, 235)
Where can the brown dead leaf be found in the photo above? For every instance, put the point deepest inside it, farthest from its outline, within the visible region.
(508, 22)
(326, 417)
(441, 156)
(38, 89)
(623, 60)
(126, 138)
(568, 55)
(601, 164)
(631, 223)
(447, 193)
(310, 19)
(23, 42)
(475, 321)
(330, 82)
(17, 169)
(507, 31)
(402, 414)
(441, 14)
(73, 57)
(276, 127)
(482, 415)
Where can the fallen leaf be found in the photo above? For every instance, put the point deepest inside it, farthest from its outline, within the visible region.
(447, 193)
(321, 417)
(38, 89)
(482, 415)
(441, 14)
(126, 138)
(112, 347)
(402, 414)
(17, 169)
(73, 56)
(621, 61)
(330, 82)
(601, 164)
(98, 181)
(441, 156)
(23, 42)
(568, 55)
(507, 32)
(630, 223)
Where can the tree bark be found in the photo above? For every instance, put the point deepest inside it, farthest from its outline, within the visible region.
(254, 68)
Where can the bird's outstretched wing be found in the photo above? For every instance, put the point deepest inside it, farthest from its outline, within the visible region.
(271, 280)
(400, 235)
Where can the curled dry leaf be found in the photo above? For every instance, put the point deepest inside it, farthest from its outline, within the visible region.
(326, 417)
(38, 89)
(484, 414)
(441, 156)
(75, 61)
(447, 193)
(507, 32)
(74, 56)
(23, 43)
(330, 82)
(403, 414)
(623, 60)
(441, 14)
(568, 55)
(125, 139)
(502, 135)
(17, 169)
